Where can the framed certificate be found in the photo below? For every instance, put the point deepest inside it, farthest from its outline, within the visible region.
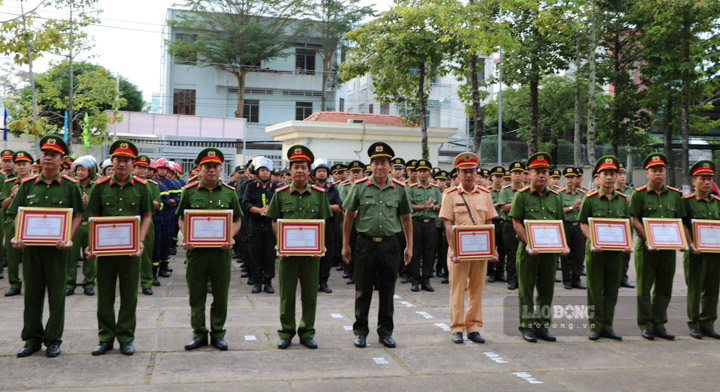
(301, 237)
(546, 236)
(114, 235)
(707, 235)
(474, 242)
(207, 228)
(664, 233)
(610, 234)
(43, 226)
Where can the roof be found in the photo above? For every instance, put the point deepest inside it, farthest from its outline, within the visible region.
(368, 118)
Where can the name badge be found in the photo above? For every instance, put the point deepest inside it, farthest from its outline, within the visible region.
(30, 196)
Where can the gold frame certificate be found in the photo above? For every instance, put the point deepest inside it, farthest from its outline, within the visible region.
(114, 235)
(707, 235)
(41, 226)
(207, 228)
(663, 233)
(546, 236)
(301, 237)
(474, 242)
(610, 234)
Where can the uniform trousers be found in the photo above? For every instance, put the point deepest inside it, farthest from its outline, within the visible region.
(12, 256)
(44, 270)
(655, 271)
(80, 242)
(126, 271)
(702, 275)
(604, 272)
(498, 269)
(511, 250)
(572, 264)
(208, 265)
(535, 273)
(424, 244)
(327, 261)
(261, 248)
(306, 269)
(470, 274)
(146, 262)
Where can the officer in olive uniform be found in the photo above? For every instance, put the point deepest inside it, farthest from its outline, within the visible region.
(604, 267)
(356, 169)
(535, 270)
(555, 175)
(6, 162)
(84, 169)
(383, 210)
(655, 268)
(505, 199)
(425, 201)
(702, 269)
(622, 186)
(398, 169)
(321, 173)
(411, 173)
(209, 264)
(23, 169)
(496, 271)
(298, 200)
(147, 277)
(572, 264)
(44, 267)
(120, 195)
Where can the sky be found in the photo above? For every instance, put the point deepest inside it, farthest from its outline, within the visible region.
(129, 38)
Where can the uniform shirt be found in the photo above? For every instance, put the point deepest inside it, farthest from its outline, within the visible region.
(418, 194)
(568, 199)
(598, 205)
(242, 186)
(379, 209)
(87, 190)
(333, 195)
(646, 203)
(506, 197)
(112, 199)
(155, 195)
(695, 207)
(495, 194)
(292, 203)
(257, 196)
(196, 196)
(61, 192)
(529, 204)
(479, 200)
(345, 187)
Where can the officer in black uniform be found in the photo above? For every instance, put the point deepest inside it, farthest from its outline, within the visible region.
(261, 239)
(321, 173)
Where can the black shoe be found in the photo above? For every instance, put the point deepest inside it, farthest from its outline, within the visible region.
(324, 288)
(594, 335)
(427, 287)
(351, 280)
(501, 279)
(457, 337)
(579, 286)
(512, 286)
(491, 279)
(663, 333)
(127, 348)
(268, 288)
(90, 291)
(626, 284)
(360, 341)
(69, 292)
(102, 348)
(28, 351)
(235, 256)
(346, 275)
(196, 343)
(567, 286)
(415, 288)
(52, 351)
(545, 335)
(147, 291)
(583, 273)
(557, 280)
(610, 335)
(404, 279)
(219, 343)
(164, 274)
(156, 282)
(529, 336)
(309, 343)
(339, 268)
(12, 292)
(388, 341)
(710, 333)
(696, 333)
(283, 343)
(257, 288)
(243, 268)
(251, 281)
(244, 275)
(648, 334)
(445, 280)
(475, 337)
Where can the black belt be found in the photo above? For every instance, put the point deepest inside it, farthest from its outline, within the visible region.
(498, 220)
(376, 239)
(572, 223)
(424, 220)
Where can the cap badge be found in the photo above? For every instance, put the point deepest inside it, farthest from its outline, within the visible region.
(123, 145)
(211, 154)
(706, 165)
(608, 160)
(22, 155)
(378, 148)
(51, 141)
(540, 158)
(467, 157)
(656, 158)
(298, 150)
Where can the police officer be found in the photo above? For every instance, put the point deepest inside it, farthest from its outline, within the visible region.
(604, 267)
(6, 171)
(655, 268)
(441, 179)
(535, 270)
(121, 194)
(209, 264)
(320, 173)
(496, 271)
(572, 264)
(411, 173)
(425, 202)
(244, 234)
(44, 267)
(147, 277)
(298, 200)
(23, 169)
(355, 168)
(382, 207)
(555, 179)
(398, 169)
(505, 200)
(84, 169)
(158, 226)
(622, 186)
(166, 215)
(339, 173)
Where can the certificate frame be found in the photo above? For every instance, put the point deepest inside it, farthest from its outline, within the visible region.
(697, 226)
(532, 225)
(594, 225)
(651, 241)
(129, 223)
(26, 215)
(462, 232)
(286, 226)
(200, 241)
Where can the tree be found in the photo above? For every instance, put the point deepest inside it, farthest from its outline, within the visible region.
(404, 49)
(236, 36)
(334, 18)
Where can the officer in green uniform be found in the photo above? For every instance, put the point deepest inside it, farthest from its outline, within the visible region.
(6, 172)
(535, 270)
(298, 200)
(655, 268)
(441, 179)
(425, 201)
(572, 264)
(604, 267)
(355, 168)
(23, 169)
(702, 269)
(505, 198)
(44, 266)
(209, 264)
(84, 169)
(555, 175)
(622, 186)
(496, 271)
(383, 210)
(120, 194)
(147, 278)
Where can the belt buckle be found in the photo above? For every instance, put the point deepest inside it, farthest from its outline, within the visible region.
(377, 239)
(426, 220)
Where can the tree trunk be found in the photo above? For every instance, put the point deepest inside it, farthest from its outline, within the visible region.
(477, 109)
(533, 126)
(71, 82)
(685, 100)
(423, 118)
(326, 72)
(31, 74)
(240, 76)
(591, 89)
(577, 141)
(667, 140)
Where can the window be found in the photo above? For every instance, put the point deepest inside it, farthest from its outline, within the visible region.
(303, 110)
(305, 61)
(251, 110)
(385, 108)
(185, 57)
(184, 102)
(342, 104)
(370, 109)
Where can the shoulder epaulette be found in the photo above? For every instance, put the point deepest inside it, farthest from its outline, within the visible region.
(190, 185)
(675, 189)
(523, 189)
(591, 193)
(104, 179)
(400, 182)
(716, 197)
(73, 180)
(452, 188)
(152, 181)
(29, 178)
(622, 194)
(345, 182)
(507, 186)
(435, 185)
(11, 179)
(360, 180)
(552, 190)
(688, 196)
(484, 189)
(140, 180)
(229, 186)
(640, 188)
(582, 191)
(282, 188)
(318, 188)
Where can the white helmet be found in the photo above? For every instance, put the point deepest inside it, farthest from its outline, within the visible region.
(320, 162)
(261, 161)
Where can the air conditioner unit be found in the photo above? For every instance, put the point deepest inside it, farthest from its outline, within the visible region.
(355, 121)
